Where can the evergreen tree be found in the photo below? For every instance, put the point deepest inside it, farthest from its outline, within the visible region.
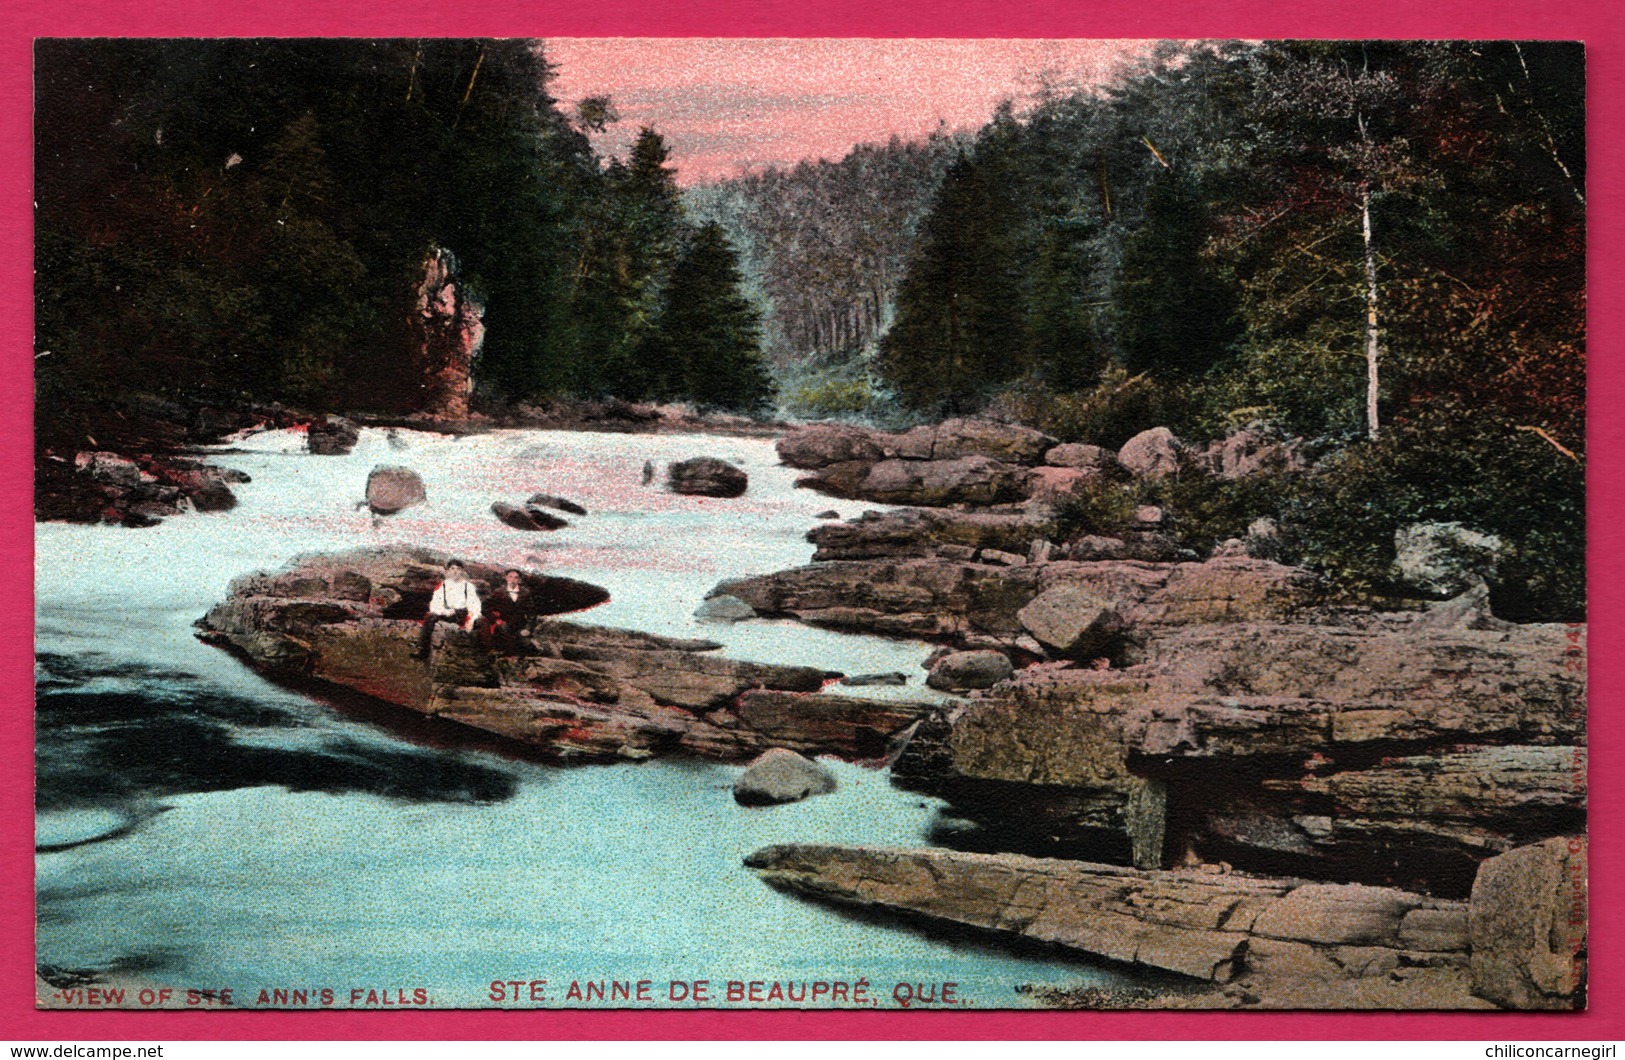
(707, 345)
(962, 308)
(1063, 337)
(1174, 317)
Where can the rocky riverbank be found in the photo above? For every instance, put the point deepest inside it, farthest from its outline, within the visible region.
(1137, 728)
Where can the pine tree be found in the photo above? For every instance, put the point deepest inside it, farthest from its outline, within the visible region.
(707, 346)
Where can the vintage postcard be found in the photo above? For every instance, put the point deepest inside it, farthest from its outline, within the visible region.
(810, 524)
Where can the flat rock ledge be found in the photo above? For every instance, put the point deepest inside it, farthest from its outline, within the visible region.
(1254, 942)
(575, 690)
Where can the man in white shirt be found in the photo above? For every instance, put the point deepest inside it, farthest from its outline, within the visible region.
(453, 600)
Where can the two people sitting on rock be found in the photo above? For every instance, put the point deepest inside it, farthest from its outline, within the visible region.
(498, 623)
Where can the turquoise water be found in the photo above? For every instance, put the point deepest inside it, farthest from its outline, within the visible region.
(202, 829)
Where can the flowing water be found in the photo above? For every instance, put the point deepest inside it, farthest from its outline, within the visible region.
(203, 829)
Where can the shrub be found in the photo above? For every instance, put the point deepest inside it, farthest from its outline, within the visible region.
(1451, 465)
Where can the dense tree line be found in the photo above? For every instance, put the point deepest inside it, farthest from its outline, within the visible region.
(245, 219)
(1243, 228)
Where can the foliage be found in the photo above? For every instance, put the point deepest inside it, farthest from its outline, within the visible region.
(1117, 408)
(1459, 465)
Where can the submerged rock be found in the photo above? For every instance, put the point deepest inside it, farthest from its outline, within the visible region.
(866, 680)
(548, 500)
(780, 776)
(528, 518)
(724, 608)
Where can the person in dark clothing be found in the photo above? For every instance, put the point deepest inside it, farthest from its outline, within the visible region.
(509, 613)
(453, 600)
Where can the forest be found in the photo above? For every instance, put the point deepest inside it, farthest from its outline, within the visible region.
(1375, 247)
(244, 219)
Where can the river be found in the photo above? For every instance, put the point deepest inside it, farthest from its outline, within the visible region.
(201, 828)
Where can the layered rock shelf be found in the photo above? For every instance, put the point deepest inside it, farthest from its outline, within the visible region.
(575, 690)
(1251, 941)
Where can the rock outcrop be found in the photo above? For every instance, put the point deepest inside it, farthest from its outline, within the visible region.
(1284, 942)
(822, 444)
(921, 533)
(1249, 452)
(102, 486)
(974, 605)
(977, 480)
(1371, 751)
(447, 331)
(706, 476)
(351, 621)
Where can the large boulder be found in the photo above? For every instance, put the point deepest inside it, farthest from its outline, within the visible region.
(962, 670)
(921, 532)
(1151, 454)
(1072, 620)
(1528, 925)
(932, 483)
(351, 621)
(706, 476)
(331, 436)
(822, 444)
(1250, 451)
(393, 489)
(1081, 455)
(956, 438)
(780, 776)
(1444, 558)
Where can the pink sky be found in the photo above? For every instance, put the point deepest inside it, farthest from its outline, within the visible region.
(725, 104)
